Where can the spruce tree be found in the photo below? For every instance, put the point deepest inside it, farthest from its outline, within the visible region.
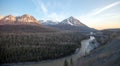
(65, 63)
(71, 62)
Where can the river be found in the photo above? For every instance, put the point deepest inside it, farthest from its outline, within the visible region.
(60, 61)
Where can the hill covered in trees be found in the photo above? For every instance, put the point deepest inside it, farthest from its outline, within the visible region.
(22, 47)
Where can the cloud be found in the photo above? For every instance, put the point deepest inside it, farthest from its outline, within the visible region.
(40, 6)
(43, 7)
(37, 5)
(98, 11)
(56, 17)
(108, 19)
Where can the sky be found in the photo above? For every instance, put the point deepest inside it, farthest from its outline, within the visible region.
(99, 14)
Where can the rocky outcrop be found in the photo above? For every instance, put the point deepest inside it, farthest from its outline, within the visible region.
(24, 19)
(1, 17)
(8, 18)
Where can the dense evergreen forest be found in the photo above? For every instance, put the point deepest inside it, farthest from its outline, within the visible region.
(26, 47)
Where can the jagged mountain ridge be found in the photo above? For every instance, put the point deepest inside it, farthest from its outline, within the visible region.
(1, 17)
(8, 18)
(30, 19)
(24, 19)
(70, 24)
(24, 23)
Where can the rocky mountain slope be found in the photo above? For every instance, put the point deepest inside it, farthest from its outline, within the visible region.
(1, 17)
(24, 23)
(69, 24)
(8, 19)
(24, 19)
(72, 21)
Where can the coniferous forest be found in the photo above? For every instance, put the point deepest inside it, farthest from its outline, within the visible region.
(26, 47)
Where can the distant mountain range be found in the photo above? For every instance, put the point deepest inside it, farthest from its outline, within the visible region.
(69, 24)
(72, 24)
(69, 21)
(24, 23)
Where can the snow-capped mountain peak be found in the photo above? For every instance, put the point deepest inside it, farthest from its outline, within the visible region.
(72, 21)
(68, 22)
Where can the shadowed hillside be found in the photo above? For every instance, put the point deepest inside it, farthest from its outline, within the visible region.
(108, 54)
(25, 28)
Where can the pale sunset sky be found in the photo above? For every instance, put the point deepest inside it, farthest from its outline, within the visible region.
(99, 14)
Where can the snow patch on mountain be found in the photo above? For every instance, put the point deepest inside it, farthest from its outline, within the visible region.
(49, 22)
(72, 21)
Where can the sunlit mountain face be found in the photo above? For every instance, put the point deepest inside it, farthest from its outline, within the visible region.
(59, 32)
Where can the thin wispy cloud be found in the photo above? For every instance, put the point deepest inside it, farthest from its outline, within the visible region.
(56, 17)
(43, 7)
(98, 16)
(40, 6)
(95, 13)
(104, 8)
(37, 5)
(48, 15)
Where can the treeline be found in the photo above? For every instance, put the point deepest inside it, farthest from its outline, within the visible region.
(24, 47)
